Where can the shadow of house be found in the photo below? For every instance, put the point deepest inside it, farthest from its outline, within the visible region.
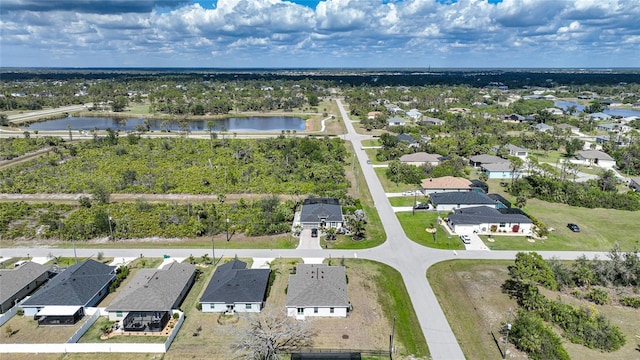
(146, 302)
(234, 288)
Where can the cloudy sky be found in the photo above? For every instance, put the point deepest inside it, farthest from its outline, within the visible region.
(320, 33)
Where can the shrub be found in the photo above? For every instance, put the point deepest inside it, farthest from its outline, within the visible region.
(598, 296)
(633, 302)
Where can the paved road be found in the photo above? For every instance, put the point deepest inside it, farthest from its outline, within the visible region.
(17, 118)
(410, 259)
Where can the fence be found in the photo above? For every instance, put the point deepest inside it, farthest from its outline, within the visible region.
(73, 347)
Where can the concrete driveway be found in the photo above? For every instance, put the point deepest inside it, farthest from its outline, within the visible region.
(476, 243)
(308, 242)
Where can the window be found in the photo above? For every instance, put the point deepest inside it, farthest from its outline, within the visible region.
(212, 306)
(248, 306)
(315, 310)
(331, 310)
(300, 311)
(119, 313)
(502, 225)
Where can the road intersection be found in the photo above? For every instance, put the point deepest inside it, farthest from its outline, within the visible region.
(409, 258)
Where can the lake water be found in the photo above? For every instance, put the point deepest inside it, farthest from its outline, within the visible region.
(613, 112)
(241, 124)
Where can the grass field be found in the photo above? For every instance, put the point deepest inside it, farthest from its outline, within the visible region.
(407, 200)
(390, 186)
(469, 293)
(599, 228)
(415, 226)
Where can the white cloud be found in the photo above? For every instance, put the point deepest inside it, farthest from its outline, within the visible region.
(397, 32)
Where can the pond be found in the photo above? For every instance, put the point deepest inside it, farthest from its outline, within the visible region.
(241, 124)
(564, 105)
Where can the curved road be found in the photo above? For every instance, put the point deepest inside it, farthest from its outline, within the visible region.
(410, 259)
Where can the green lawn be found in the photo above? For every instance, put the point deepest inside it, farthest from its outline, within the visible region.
(371, 154)
(372, 142)
(390, 186)
(414, 226)
(599, 228)
(407, 200)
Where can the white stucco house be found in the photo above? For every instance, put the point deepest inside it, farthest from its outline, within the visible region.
(487, 220)
(317, 290)
(595, 157)
(421, 158)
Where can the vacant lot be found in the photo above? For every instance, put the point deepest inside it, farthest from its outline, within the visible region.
(470, 295)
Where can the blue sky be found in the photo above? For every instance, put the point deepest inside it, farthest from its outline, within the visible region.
(320, 33)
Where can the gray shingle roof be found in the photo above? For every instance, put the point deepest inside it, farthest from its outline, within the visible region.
(503, 166)
(484, 215)
(318, 285)
(314, 212)
(488, 159)
(154, 289)
(421, 157)
(14, 280)
(74, 286)
(461, 197)
(595, 154)
(234, 283)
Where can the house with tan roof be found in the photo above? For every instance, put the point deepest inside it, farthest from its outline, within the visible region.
(421, 158)
(445, 184)
(372, 114)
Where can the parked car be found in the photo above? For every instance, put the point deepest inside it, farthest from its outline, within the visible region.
(368, 161)
(314, 232)
(421, 206)
(573, 227)
(465, 239)
(408, 193)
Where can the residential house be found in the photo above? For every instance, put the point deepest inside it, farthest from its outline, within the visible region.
(421, 158)
(372, 114)
(395, 121)
(501, 170)
(431, 121)
(487, 220)
(408, 139)
(81, 285)
(554, 111)
(317, 290)
(634, 183)
(145, 304)
(448, 201)
(599, 116)
(18, 282)
(321, 212)
(614, 127)
(542, 127)
(514, 151)
(513, 118)
(483, 159)
(595, 157)
(414, 114)
(445, 184)
(234, 288)
(573, 129)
